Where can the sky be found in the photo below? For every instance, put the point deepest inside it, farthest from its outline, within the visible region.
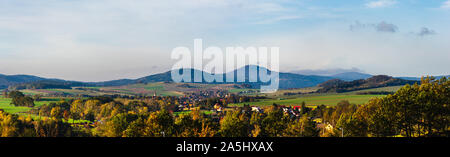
(99, 40)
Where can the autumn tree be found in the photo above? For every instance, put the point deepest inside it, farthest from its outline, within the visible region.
(15, 126)
(116, 126)
(255, 124)
(275, 122)
(302, 127)
(160, 124)
(186, 126)
(19, 99)
(234, 124)
(52, 127)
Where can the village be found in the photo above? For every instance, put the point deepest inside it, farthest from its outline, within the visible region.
(219, 99)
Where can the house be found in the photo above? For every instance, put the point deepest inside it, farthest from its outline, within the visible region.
(287, 110)
(256, 109)
(180, 108)
(325, 128)
(329, 127)
(218, 107)
(298, 108)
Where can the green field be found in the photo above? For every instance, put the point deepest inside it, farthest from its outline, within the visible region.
(32, 92)
(329, 99)
(161, 89)
(148, 89)
(237, 90)
(207, 112)
(244, 91)
(381, 89)
(7, 107)
(314, 100)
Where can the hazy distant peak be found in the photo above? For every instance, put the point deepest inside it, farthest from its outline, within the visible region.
(326, 72)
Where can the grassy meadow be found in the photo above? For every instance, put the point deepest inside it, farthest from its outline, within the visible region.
(329, 99)
(313, 100)
(381, 89)
(7, 107)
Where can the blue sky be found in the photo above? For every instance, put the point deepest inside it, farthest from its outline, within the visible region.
(96, 40)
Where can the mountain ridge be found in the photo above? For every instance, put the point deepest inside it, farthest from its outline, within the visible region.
(351, 76)
(339, 86)
(287, 80)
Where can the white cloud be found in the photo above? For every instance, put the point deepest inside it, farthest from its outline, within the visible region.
(112, 39)
(446, 4)
(381, 3)
(375, 53)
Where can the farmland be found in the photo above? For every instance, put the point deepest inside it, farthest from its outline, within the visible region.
(188, 112)
(7, 107)
(178, 89)
(328, 99)
(313, 100)
(381, 89)
(149, 89)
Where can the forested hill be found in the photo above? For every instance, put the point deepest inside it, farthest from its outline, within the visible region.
(340, 86)
(49, 84)
(8, 80)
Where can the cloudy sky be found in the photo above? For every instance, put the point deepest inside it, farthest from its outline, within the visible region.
(97, 40)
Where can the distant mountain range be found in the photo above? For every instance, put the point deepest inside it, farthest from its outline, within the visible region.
(340, 86)
(419, 78)
(8, 80)
(349, 74)
(287, 80)
(343, 74)
(325, 72)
